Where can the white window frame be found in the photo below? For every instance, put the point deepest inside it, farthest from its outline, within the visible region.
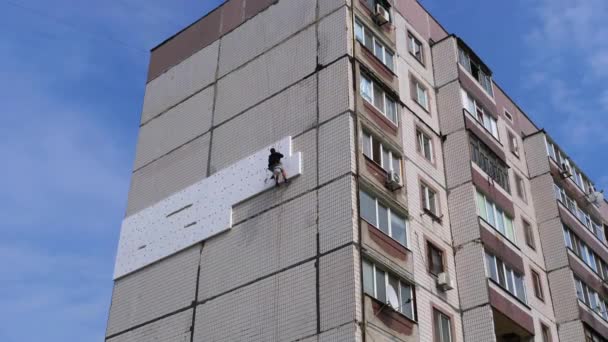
(496, 212)
(386, 54)
(415, 45)
(426, 191)
(477, 112)
(601, 304)
(421, 136)
(390, 213)
(400, 283)
(422, 94)
(509, 275)
(439, 327)
(386, 99)
(393, 158)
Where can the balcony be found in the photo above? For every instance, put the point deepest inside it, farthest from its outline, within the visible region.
(508, 331)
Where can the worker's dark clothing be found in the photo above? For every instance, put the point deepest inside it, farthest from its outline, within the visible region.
(274, 159)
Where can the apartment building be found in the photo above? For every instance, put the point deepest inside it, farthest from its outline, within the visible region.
(424, 204)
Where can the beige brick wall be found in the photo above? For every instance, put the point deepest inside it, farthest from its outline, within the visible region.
(334, 97)
(562, 286)
(340, 288)
(175, 328)
(266, 30)
(445, 61)
(335, 36)
(479, 324)
(154, 291)
(262, 245)
(278, 308)
(190, 118)
(544, 198)
(571, 331)
(338, 214)
(472, 283)
(536, 155)
(449, 104)
(167, 175)
(266, 75)
(180, 82)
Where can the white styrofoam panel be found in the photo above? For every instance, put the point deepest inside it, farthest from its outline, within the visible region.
(197, 212)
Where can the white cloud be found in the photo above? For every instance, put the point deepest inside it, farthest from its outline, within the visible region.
(568, 65)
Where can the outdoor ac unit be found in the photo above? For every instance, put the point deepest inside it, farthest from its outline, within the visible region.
(595, 197)
(566, 172)
(381, 15)
(444, 282)
(393, 181)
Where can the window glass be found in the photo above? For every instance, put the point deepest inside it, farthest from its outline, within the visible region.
(491, 216)
(368, 278)
(443, 327)
(380, 285)
(383, 218)
(501, 273)
(398, 229)
(407, 301)
(368, 208)
(378, 50)
(376, 151)
(510, 232)
(435, 260)
(369, 40)
(367, 145)
(481, 206)
(359, 32)
(386, 159)
(519, 287)
(389, 59)
(366, 89)
(491, 266)
(529, 235)
(392, 292)
(396, 165)
(391, 110)
(378, 97)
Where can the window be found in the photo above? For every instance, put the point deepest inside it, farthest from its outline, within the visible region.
(585, 253)
(529, 234)
(581, 215)
(442, 326)
(388, 288)
(376, 151)
(546, 333)
(475, 68)
(489, 162)
(375, 95)
(420, 93)
(508, 116)
(424, 145)
(591, 298)
(493, 215)
(513, 144)
(505, 276)
(374, 45)
(429, 199)
(480, 114)
(383, 218)
(538, 286)
(435, 259)
(415, 47)
(520, 187)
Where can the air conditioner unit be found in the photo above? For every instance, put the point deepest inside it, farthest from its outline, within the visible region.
(566, 171)
(595, 197)
(393, 181)
(381, 16)
(444, 282)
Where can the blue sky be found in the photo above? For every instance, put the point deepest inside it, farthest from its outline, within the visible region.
(73, 79)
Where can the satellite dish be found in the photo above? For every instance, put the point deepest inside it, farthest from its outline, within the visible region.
(392, 298)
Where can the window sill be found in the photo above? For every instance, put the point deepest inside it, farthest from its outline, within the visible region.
(380, 304)
(432, 215)
(509, 293)
(385, 121)
(511, 243)
(377, 62)
(479, 124)
(417, 60)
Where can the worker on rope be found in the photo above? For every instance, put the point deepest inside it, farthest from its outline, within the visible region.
(275, 166)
